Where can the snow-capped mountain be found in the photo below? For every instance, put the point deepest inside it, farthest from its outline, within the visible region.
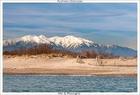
(32, 39)
(70, 43)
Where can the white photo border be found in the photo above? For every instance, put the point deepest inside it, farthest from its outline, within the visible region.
(81, 93)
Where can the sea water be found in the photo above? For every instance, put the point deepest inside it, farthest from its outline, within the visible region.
(46, 83)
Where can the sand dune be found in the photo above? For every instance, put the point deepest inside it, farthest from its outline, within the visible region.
(42, 64)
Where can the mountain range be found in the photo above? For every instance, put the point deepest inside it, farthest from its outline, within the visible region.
(69, 43)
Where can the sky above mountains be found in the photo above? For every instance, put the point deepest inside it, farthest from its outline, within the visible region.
(106, 23)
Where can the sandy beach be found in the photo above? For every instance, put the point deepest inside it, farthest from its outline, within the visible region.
(42, 64)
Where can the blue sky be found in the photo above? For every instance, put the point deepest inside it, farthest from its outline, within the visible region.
(106, 23)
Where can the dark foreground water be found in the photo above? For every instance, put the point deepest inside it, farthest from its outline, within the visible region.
(44, 83)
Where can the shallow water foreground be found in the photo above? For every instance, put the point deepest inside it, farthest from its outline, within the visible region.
(46, 83)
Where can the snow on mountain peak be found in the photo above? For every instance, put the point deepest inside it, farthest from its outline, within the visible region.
(37, 39)
(70, 41)
(66, 42)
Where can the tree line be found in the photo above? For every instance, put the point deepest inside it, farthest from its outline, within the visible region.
(46, 49)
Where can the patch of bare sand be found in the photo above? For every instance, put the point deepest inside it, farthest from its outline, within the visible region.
(42, 64)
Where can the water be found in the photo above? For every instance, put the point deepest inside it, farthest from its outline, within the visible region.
(45, 83)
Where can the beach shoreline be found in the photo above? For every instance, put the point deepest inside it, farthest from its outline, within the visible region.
(41, 64)
(57, 74)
